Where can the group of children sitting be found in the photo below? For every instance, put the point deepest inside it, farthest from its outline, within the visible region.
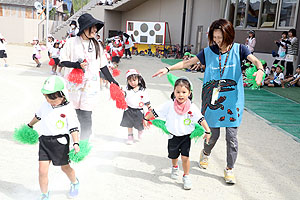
(275, 77)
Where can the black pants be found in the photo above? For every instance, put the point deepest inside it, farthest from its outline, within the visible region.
(289, 68)
(85, 120)
(127, 51)
(282, 62)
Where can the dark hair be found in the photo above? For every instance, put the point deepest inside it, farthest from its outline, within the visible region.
(183, 83)
(293, 31)
(253, 33)
(55, 95)
(227, 31)
(141, 83)
(1, 40)
(96, 43)
(55, 44)
(285, 32)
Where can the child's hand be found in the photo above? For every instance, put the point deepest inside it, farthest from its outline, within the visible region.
(76, 148)
(207, 137)
(146, 124)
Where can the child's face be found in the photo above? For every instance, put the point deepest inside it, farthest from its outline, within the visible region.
(133, 82)
(273, 69)
(283, 35)
(298, 70)
(278, 69)
(250, 35)
(54, 102)
(181, 93)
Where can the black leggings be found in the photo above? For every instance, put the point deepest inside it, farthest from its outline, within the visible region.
(282, 62)
(85, 120)
(127, 51)
(289, 68)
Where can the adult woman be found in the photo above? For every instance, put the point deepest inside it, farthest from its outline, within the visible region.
(223, 92)
(84, 47)
(292, 52)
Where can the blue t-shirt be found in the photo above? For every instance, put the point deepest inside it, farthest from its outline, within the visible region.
(223, 93)
(244, 52)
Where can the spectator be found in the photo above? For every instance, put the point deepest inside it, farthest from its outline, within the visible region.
(251, 41)
(280, 57)
(293, 81)
(278, 77)
(72, 32)
(292, 52)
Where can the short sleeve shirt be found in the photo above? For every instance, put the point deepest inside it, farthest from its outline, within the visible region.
(176, 124)
(136, 99)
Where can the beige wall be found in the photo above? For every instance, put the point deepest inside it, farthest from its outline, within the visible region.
(204, 12)
(18, 30)
(113, 21)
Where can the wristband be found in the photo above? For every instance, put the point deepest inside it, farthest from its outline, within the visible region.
(261, 70)
(75, 143)
(146, 119)
(206, 132)
(29, 126)
(167, 69)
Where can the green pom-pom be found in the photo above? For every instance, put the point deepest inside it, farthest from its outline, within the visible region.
(26, 135)
(250, 79)
(85, 149)
(172, 78)
(197, 132)
(160, 124)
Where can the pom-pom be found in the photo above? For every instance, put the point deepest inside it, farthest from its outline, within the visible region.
(250, 79)
(197, 132)
(76, 76)
(120, 53)
(26, 135)
(172, 78)
(107, 48)
(51, 62)
(85, 149)
(38, 56)
(117, 95)
(113, 54)
(160, 124)
(152, 118)
(116, 72)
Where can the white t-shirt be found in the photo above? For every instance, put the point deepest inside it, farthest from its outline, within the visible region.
(136, 99)
(278, 78)
(56, 121)
(176, 124)
(55, 52)
(36, 49)
(2, 45)
(296, 76)
(130, 42)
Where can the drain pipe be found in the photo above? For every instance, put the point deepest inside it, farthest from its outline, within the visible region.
(183, 27)
(190, 22)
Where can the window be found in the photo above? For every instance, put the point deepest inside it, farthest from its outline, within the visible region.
(240, 17)
(268, 14)
(130, 26)
(253, 12)
(288, 13)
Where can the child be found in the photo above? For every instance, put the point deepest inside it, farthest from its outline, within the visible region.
(278, 77)
(58, 120)
(3, 53)
(251, 41)
(281, 49)
(36, 51)
(50, 44)
(54, 53)
(180, 115)
(293, 81)
(136, 97)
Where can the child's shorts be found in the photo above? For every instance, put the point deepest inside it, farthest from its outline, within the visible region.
(179, 145)
(133, 118)
(3, 54)
(54, 148)
(56, 61)
(33, 57)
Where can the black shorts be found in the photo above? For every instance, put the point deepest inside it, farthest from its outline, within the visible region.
(115, 59)
(3, 54)
(51, 149)
(133, 118)
(56, 60)
(33, 57)
(179, 145)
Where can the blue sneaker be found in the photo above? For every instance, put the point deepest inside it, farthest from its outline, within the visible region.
(45, 196)
(74, 189)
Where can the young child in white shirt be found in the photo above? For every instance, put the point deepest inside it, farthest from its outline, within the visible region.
(180, 115)
(36, 51)
(278, 77)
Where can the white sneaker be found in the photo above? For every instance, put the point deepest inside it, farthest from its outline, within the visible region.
(130, 140)
(203, 162)
(187, 183)
(229, 176)
(175, 173)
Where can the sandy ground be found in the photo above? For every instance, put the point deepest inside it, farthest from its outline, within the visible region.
(267, 166)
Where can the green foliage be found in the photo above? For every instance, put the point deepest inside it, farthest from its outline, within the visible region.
(78, 4)
(26, 135)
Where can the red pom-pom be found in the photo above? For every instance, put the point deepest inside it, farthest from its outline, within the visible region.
(113, 54)
(107, 48)
(127, 42)
(116, 72)
(152, 118)
(118, 95)
(114, 90)
(76, 76)
(51, 62)
(120, 101)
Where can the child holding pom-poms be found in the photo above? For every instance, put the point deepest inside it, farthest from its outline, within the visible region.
(58, 121)
(180, 115)
(136, 98)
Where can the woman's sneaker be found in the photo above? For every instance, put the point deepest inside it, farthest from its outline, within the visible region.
(45, 196)
(175, 172)
(74, 189)
(203, 162)
(130, 139)
(187, 183)
(229, 176)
